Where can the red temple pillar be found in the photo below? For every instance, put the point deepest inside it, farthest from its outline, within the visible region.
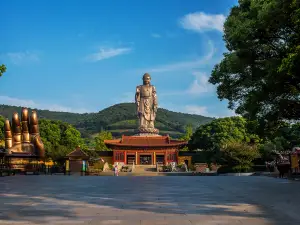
(125, 157)
(165, 158)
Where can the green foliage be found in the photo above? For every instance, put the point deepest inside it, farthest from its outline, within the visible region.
(99, 140)
(187, 136)
(2, 69)
(214, 135)
(260, 73)
(92, 153)
(72, 137)
(283, 138)
(118, 119)
(59, 138)
(188, 133)
(239, 156)
(2, 120)
(50, 130)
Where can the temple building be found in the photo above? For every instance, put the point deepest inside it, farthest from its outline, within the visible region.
(145, 150)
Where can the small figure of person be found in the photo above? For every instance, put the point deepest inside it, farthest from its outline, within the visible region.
(116, 169)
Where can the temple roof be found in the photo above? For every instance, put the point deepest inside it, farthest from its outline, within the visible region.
(78, 152)
(145, 141)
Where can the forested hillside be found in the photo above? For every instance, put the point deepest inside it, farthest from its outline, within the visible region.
(119, 119)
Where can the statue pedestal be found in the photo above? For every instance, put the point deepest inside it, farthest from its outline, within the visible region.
(147, 132)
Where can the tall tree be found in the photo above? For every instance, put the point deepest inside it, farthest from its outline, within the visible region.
(99, 140)
(188, 133)
(2, 69)
(187, 136)
(260, 73)
(72, 138)
(212, 136)
(59, 138)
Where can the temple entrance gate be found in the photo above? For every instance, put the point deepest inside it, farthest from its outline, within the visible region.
(145, 159)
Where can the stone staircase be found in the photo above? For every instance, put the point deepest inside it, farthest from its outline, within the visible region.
(144, 168)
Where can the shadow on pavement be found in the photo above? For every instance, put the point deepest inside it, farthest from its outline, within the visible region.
(255, 200)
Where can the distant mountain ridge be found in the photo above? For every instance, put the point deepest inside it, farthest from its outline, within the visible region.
(119, 119)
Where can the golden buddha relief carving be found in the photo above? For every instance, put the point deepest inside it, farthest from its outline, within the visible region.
(22, 136)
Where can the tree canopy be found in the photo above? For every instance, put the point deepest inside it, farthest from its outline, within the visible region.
(2, 120)
(2, 69)
(59, 138)
(188, 133)
(260, 73)
(214, 135)
(99, 140)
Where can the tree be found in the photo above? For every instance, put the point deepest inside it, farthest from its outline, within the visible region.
(99, 140)
(59, 138)
(2, 69)
(72, 138)
(260, 73)
(50, 131)
(2, 120)
(239, 156)
(187, 136)
(188, 133)
(212, 136)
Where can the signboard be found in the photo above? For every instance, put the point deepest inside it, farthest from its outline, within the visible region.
(83, 165)
(67, 165)
(294, 161)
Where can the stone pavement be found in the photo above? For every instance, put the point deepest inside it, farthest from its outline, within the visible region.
(148, 200)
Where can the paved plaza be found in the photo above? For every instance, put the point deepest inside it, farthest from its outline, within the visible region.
(148, 200)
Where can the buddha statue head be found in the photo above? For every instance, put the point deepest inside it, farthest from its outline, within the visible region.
(146, 79)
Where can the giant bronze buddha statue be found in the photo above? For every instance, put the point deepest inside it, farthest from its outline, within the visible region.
(146, 103)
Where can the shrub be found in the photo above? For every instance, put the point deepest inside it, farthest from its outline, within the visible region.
(239, 156)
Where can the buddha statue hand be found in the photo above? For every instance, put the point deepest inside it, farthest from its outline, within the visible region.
(24, 137)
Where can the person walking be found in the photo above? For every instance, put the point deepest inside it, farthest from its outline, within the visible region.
(116, 169)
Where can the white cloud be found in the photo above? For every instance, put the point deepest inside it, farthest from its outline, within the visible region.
(195, 109)
(186, 64)
(211, 111)
(18, 58)
(206, 111)
(155, 35)
(200, 84)
(6, 100)
(200, 21)
(106, 53)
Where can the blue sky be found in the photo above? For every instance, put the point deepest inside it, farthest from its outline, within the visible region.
(83, 56)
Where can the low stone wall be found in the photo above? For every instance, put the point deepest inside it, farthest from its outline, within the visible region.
(237, 174)
(201, 167)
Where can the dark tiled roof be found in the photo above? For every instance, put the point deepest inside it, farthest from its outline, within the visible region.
(78, 152)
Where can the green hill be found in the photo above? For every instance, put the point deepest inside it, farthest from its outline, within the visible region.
(119, 119)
